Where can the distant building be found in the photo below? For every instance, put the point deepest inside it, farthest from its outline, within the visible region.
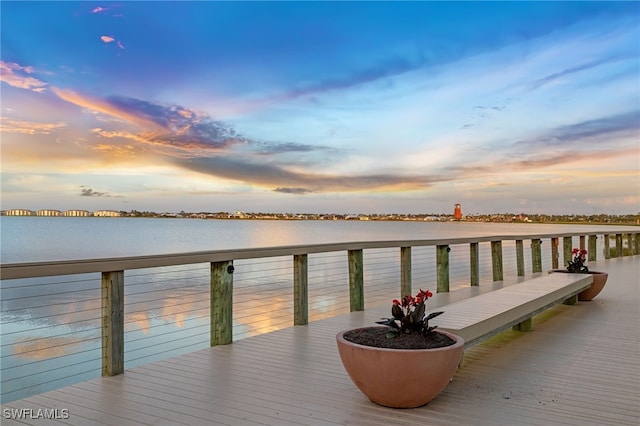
(457, 212)
(76, 213)
(19, 212)
(48, 213)
(106, 213)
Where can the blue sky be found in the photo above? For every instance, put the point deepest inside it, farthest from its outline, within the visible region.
(346, 107)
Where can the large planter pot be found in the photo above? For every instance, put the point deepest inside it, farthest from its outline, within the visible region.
(400, 378)
(599, 280)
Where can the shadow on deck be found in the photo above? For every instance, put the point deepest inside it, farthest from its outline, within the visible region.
(580, 366)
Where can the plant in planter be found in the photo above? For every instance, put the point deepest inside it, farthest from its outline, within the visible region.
(577, 266)
(406, 362)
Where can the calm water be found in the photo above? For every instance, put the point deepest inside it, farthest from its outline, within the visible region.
(51, 327)
(29, 239)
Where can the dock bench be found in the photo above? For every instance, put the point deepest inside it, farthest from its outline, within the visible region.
(480, 317)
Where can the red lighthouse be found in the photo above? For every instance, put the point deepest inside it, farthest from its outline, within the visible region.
(457, 212)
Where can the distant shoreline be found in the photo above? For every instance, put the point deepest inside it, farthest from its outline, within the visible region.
(633, 220)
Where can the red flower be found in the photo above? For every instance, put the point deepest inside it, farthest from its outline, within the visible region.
(575, 251)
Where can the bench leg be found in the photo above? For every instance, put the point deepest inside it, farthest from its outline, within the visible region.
(573, 300)
(526, 325)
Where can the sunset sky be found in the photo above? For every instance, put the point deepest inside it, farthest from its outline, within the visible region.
(330, 107)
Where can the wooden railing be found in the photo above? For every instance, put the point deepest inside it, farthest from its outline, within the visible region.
(221, 274)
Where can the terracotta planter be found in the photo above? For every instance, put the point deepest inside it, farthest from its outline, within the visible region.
(400, 378)
(599, 280)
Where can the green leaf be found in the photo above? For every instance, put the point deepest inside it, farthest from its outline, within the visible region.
(391, 335)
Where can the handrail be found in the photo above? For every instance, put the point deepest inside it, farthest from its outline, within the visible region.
(221, 271)
(80, 266)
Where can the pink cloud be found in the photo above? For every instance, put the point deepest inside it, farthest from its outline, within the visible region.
(107, 39)
(102, 106)
(99, 9)
(28, 127)
(13, 74)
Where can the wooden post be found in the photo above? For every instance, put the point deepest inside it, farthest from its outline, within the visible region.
(567, 246)
(607, 250)
(636, 246)
(536, 255)
(526, 325)
(520, 257)
(442, 268)
(554, 253)
(474, 262)
(221, 303)
(629, 244)
(300, 290)
(405, 271)
(582, 243)
(591, 251)
(573, 300)
(112, 323)
(496, 260)
(356, 280)
(618, 245)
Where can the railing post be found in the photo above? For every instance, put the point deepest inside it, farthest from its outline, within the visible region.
(405, 271)
(591, 252)
(567, 245)
(536, 255)
(221, 303)
(520, 257)
(474, 264)
(555, 254)
(356, 280)
(618, 245)
(112, 323)
(582, 243)
(607, 249)
(496, 260)
(629, 244)
(636, 249)
(300, 290)
(442, 268)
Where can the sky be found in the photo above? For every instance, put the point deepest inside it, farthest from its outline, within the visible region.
(321, 107)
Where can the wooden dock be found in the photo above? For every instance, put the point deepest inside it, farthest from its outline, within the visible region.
(579, 366)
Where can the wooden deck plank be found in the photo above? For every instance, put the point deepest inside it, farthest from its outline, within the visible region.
(578, 367)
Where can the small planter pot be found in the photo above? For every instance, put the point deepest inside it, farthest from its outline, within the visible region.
(599, 280)
(400, 378)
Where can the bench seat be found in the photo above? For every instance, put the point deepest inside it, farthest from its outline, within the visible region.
(483, 316)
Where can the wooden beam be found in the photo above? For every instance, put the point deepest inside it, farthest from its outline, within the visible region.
(496, 260)
(618, 245)
(536, 255)
(405, 271)
(567, 247)
(474, 263)
(555, 253)
(221, 303)
(112, 323)
(442, 268)
(591, 251)
(300, 290)
(520, 258)
(356, 280)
